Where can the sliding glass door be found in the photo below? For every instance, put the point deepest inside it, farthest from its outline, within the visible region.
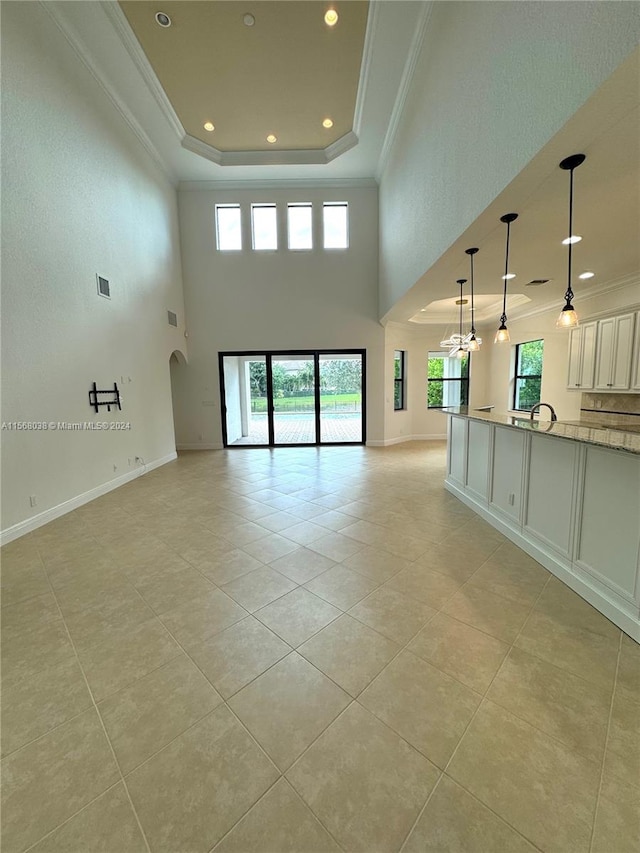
(292, 398)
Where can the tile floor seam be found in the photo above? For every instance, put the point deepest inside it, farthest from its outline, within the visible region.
(71, 817)
(421, 812)
(485, 699)
(99, 715)
(606, 743)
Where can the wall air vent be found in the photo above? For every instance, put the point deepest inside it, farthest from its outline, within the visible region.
(536, 282)
(173, 318)
(103, 287)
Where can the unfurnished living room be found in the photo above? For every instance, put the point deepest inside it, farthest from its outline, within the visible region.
(320, 515)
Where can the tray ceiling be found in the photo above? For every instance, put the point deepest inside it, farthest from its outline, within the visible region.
(282, 76)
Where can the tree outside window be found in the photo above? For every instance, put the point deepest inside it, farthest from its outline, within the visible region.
(528, 374)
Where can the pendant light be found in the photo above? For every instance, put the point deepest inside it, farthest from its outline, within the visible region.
(460, 351)
(568, 316)
(502, 335)
(473, 343)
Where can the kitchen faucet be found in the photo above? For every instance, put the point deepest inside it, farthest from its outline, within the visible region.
(535, 408)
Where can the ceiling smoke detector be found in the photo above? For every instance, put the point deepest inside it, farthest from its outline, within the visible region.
(163, 20)
(248, 20)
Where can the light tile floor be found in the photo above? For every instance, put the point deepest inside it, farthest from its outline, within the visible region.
(305, 650)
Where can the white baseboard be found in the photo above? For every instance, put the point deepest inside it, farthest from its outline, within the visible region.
(401, 439)
(602, 599)
(30, 524)
(199, 447)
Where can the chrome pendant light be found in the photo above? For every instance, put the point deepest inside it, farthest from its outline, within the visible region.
(472, 342)
(502, 335)
(568, 316)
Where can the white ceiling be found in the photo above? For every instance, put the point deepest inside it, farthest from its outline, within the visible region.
(606, 129)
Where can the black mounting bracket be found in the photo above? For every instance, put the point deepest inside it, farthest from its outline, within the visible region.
(95, 401)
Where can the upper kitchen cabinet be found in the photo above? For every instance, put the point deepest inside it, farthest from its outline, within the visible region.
(636, 357)
(582, 356)
(615, 348)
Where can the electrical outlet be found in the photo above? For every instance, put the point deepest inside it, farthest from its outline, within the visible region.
(139, 460)
(598, 404)
(512, 498)
(32, 500)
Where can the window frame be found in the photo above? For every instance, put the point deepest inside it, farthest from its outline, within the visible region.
(227, 206)
(272, 206)
(400, 381)
(325, 205)
(517, 375)
(463, 380)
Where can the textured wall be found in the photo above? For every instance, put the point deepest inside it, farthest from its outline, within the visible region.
(493, 83)
(80, 197)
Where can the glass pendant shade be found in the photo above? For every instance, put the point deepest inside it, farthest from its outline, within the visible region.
(568, 317)
(473, 344)
(502, 335)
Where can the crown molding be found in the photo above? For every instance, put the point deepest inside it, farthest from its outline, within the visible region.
(85, 57)
(365, 65)
(127, 36)
(606, 287)
(403, 89)
(289, 184)
(278, 157)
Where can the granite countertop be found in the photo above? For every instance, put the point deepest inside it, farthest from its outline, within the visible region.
(620, 437)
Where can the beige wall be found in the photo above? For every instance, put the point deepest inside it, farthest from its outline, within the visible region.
(80, 196)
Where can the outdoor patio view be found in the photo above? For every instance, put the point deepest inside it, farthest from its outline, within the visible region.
(293, 379)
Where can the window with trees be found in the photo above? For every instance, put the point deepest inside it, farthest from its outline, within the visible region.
(528, 374)
(399, 363)
(447, 380)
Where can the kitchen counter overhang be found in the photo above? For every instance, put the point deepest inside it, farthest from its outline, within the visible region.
(567, 493)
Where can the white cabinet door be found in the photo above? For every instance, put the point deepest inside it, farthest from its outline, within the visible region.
(608, 540)
(615, 345)
(606, 340)
(636, 357)
(582, 356)
(457, 449)
(550, 491)
(506, 486)
(478, 459)
(621, 368)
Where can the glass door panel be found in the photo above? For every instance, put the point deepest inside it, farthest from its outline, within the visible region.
(341, 398)
(294, 402)
(245, 387)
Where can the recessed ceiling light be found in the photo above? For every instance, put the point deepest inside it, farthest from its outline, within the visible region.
(508, 276)
(162, 19)
(327, 123)
(271, 138)
(423, 309)
(248, 20)
(209, 126)
(331, 17)
(587, 274)
(573, 239)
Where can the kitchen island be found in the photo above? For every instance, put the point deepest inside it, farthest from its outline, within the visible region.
(567, 493)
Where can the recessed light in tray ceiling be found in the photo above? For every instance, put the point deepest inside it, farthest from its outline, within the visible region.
(284, 71)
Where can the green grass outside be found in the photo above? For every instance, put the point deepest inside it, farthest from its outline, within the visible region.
(328, 402)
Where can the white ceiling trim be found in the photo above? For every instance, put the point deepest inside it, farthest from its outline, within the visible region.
(365, 65)
(83, 54)
(123, 28)
(556, 304)
(403, 89)
(289, 184)
(277, 157)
